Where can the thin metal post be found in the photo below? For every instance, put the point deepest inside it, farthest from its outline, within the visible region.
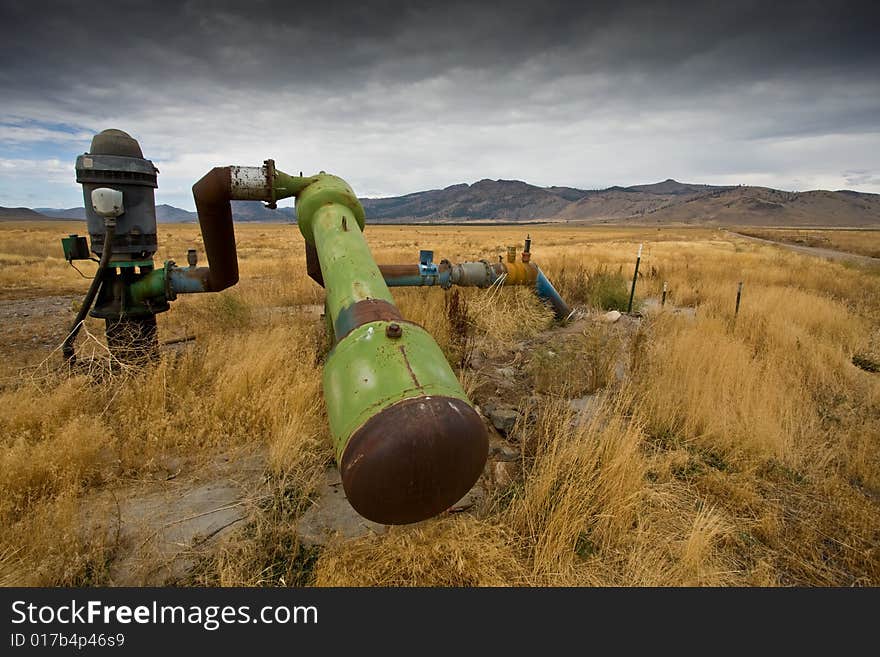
(739, 291)
(663, 298)
(632, 291)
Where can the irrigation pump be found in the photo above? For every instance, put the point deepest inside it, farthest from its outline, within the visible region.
(408, 441)
(128, 290)
(118, 195)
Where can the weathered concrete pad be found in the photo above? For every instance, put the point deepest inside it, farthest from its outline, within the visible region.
(331, 515)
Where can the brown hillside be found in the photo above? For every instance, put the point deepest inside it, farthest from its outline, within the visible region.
(615, 204)
(20, 214)
(761, 206)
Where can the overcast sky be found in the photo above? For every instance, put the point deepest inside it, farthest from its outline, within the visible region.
(398, 97)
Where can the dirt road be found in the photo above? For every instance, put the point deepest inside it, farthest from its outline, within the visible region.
(831, 254)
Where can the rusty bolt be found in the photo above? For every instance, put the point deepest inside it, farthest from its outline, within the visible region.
(393, 331)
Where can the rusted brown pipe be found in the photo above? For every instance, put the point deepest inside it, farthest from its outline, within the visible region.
(213, 195)
(398, 271)
(394, 273)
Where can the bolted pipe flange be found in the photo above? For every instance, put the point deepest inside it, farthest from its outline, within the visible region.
(393, 331)
(269, 167)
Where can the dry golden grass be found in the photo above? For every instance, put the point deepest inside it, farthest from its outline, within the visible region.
(445, 552)
(735, 450)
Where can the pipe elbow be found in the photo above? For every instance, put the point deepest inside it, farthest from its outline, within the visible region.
(320, 191)
(213, 196)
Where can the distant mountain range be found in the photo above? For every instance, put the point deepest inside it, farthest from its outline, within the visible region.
(241, 210)
(513, 200)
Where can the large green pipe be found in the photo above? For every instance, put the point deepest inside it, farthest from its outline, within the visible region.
(408, 442)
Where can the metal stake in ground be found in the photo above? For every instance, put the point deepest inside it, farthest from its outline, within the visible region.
(663, 298)
(632, 292)
(739, 291)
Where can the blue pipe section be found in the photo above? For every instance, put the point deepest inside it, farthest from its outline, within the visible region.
(545, 290)
(169, 281)
(188, 280)
(427, 274)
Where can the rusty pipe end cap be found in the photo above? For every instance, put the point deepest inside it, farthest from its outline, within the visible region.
(414, 459)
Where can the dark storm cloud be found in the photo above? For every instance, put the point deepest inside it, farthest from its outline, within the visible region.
(556, 92)
(64, 48)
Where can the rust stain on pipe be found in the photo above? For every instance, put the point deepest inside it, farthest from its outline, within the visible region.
(364, 312)
(391, 272)
(409, 367)
(212, 197)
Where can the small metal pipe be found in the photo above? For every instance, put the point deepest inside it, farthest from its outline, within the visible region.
(411, 276)
(188, 280)
(169, 281)
(67, 349)
(545, 290)
(517, 273)
(476, 274)
(632, 292)
(479, 274)
(249, 184)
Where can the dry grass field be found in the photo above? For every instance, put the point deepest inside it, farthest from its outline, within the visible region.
(682, 447)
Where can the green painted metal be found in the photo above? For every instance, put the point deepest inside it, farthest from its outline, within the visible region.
(75, 248)
(350, 274)
(286, 186)
(150, 286)
(324, 190)
(132, 263)
(368, 371)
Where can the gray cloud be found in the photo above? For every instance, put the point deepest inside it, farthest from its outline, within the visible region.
(399, 96)
(862, 177)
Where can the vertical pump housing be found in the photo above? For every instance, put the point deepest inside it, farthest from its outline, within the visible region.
(118, 193)
(115, 160)
(128, 289)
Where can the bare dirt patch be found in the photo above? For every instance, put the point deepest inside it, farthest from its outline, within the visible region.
(34, 325)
